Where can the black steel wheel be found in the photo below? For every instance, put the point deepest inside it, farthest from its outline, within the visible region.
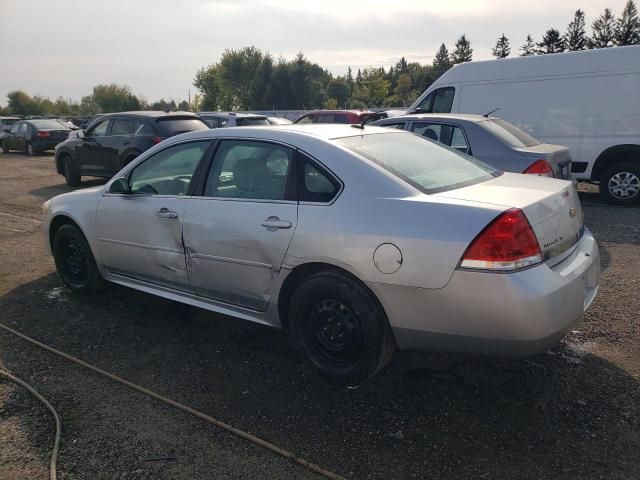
(74, 261)
(339, 327)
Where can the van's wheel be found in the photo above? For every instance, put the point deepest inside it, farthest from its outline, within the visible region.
(5, 147)
(620, 184)
(30, 151)
(338, 326)
(74, 261)
(71, 176)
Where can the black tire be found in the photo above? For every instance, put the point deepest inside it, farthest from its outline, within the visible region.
(339, 327)
(620, 184)
(74, 261)
(71, 176)
(5, 147)
(30, 151)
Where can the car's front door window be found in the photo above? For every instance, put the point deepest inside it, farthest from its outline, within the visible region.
(443, 100)
(100, 130)
(169, 171)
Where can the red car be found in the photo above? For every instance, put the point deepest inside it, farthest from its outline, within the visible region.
(340, 116)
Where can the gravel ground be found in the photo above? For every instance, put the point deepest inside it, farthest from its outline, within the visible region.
(572, 413)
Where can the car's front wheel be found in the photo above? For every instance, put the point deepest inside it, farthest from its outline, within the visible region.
(74, 261)
(338, 325)
(71, 176)
(620, 184)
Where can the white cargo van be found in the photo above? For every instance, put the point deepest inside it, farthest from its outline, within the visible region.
(588, 101)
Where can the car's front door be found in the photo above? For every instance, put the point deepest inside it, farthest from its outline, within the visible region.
(236, 233)
(91, 152)
(119, 141)
(12, 138)
(139, 232)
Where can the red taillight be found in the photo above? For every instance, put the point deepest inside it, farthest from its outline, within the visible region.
(157, 139)
(43, 134)
(507, 243)
(539, 167)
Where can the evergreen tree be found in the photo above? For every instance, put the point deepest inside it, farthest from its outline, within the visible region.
(628, 26)
(441, 62)
(604, 30)
(529, 47)
(350, 79)
(502, 48)
(551, 42)
(575, 38)
(463, 51)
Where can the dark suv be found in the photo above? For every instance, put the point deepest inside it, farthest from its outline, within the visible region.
(114, 139)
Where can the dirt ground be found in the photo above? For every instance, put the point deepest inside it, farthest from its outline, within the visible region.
(572, 413)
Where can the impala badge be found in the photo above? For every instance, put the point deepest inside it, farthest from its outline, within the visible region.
(573, 212)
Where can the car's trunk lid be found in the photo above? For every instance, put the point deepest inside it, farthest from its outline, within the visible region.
(57, 134)
(555, 155)
(551, 206)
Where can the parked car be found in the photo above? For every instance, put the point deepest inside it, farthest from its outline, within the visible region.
(354, 239)
(587, 101)
(69, 124)
(491, 140)
(232, 119)
(279, 121)
(34, 136)
(338, 116)
(7, 122)
(112, 140)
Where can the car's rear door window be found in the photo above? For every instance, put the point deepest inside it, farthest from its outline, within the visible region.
(251, 122)
(169, 171)
(426, 165)
(249, 170)
(450, 135)
(170, 126)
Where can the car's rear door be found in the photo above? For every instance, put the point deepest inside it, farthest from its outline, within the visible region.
(236, 233)
(139, 233)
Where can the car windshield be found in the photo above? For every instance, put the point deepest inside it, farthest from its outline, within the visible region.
(422, 163)
(250, 122)
(47, 124)
(510, 134)
(170, 126)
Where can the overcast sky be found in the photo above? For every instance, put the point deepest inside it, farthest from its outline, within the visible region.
(64, 47)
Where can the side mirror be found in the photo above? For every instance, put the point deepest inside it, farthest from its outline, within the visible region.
(80, 134)
(119, 185)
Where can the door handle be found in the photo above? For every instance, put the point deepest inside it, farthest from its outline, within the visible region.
(125, 142)
(274, 223)
(166, 214)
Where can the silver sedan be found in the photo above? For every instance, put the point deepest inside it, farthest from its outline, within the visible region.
(356, 240)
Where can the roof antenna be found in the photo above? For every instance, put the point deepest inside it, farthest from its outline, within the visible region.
(360, 126)
(486, 115)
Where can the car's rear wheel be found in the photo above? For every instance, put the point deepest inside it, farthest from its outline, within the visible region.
(620, 184)
(338, 325)
(74, 261)
(71, 176)
(30, 151)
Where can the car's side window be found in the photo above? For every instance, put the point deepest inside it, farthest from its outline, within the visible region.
(307, 119)
(250, 170)
(425, 105)
(169, 171)
(24, 128)
(341, 118)
(398, 125)
(314, 183)
(443, 100)
(122, 126)
(459, 141)
(16, 127)
(99, 130)
(432, 131)
(211, 122)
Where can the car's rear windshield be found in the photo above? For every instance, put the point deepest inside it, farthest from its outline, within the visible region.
(510, 134)
(170, 126)
(426, 165)
(48, 124)
(251, 122)
(10, 121)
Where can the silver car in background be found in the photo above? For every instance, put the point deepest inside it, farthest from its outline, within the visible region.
(492, 140)
(353, 239)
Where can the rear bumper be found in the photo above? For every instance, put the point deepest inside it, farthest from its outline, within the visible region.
(42, 145)
(519, 313)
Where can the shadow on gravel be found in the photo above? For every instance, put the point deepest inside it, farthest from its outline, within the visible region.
(564, 414)
(45, 193)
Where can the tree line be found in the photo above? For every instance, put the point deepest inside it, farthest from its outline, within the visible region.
(250, 79)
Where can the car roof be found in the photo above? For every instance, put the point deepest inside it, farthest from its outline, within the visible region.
(232, 114)
(150, 114)
(355, 112)
(440, 116)
(9, 117)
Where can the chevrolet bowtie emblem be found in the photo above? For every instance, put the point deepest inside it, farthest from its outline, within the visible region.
(572, 212)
